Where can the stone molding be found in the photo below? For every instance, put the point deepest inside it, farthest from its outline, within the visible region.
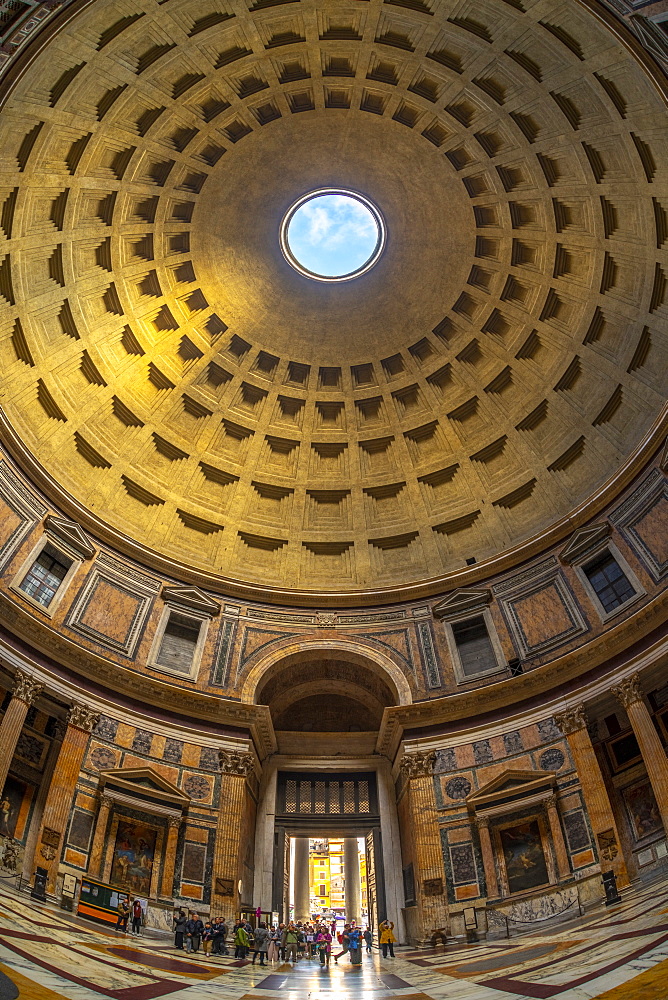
(70, 535)
(418, 765)
(462, 602)
(572, 719)
(26, 688)
(628, 691)
(82, 717)
(583, 540)
(192, 600)
(236, 762)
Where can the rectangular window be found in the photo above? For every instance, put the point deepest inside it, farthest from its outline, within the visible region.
(476, 653)
(323, 890)
(610, 584)
(179, 642)
(45, 576)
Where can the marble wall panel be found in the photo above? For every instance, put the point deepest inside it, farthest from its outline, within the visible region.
(540, 609)
(643, 521)
(22, 511)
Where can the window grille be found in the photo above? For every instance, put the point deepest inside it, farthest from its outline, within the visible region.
(363, 788)
(349, 797)
(476, 653)
(334, 797)
(291, 796)
(45, 577)
(305, 796)
(610, 584)
(320, 796)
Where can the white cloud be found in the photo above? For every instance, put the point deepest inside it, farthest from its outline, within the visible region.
(334, 220)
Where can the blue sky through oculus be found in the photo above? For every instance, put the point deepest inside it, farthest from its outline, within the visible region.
(332, 235)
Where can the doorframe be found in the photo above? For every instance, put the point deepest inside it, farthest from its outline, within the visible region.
(389, 826)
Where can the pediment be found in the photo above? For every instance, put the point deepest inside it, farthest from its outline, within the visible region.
(461, 602)
(515, 783)
(191, 599)
(143, 781)
(583, 540)
(70, 534)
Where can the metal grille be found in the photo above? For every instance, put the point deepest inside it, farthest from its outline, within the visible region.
(363, 788)
(291, 797)
(319, 798)
(349, 797)
(343, 795)
(305, 796)
(334, 797)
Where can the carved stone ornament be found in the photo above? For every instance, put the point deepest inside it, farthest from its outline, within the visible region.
(50, 837)
(47, 852)
(418, 765)
(326, 618)
(82, 717)
(482, 822)
(26, 688)
(236, 762)
(629, 691)
(174, 822)
(225, 886)
(106, 801)
(432, 887)
(572, 720)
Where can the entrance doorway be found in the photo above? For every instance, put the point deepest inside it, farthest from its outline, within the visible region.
(313, 806)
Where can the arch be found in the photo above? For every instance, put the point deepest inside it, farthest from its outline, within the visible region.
(304, 650)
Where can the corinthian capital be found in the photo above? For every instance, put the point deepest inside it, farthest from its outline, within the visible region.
(82, 717)
(572, 720)
(628, 691)
(236, 762)
(26, 688)
(418, 765)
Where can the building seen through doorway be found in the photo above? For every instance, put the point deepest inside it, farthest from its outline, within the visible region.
(335, 884)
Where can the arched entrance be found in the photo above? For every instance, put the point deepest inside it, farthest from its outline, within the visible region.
(327, 700)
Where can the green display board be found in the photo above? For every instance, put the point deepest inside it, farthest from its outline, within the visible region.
(99, 901)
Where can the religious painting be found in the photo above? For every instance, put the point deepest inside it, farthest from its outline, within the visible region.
(11, 802)
(522, 847)
(133, 857)
(643, 810)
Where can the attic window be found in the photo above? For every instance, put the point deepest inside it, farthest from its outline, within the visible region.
(179, 643)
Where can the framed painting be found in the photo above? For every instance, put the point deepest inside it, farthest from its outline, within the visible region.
(134, 852)
(642, 810)
(522, 846)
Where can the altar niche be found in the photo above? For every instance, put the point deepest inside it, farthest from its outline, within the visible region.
(521, 839)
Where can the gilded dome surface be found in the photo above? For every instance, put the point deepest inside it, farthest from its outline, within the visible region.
(186, 388)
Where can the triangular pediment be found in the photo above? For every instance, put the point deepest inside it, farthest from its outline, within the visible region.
(191, 599)
(69, 534)
(143, 781)
(514, 782)
(582, 540)
(461, 602)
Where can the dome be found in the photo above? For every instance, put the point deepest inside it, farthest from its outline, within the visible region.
(194, 400)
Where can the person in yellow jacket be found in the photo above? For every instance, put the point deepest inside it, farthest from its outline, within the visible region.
(387, 938)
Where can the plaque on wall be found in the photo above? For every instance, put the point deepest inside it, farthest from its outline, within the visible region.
(433, 887)
(607, 844)
(50, 837)
(225, 886)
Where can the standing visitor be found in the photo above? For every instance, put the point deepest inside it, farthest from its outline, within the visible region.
(274, 944)
(324, 945)
(137, 914)
(241, 943)
(387, 938)
(345, 942)
(207, 939)
(289, 940)
(261, 943)
(123, 915)
(180, 921)
(368, 938)
(355, 945)
(194, 928)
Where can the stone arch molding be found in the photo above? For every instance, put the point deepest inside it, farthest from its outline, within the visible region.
(299, 651)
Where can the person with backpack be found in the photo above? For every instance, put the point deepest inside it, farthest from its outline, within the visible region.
(241, 941)
(355, 945)
(344, 941)
(261, 943)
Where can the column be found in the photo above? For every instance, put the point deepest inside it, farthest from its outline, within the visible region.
(81, 720)
(44, 785)
(351, 873)
(96, 857)
(573, 723)
(482, 822)
(225, 896)
(560, 852)
(24, 692)
(629, 693)
(301, 879)
(167, 880)
(430, 871)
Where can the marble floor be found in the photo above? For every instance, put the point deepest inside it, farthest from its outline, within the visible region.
(616, 954)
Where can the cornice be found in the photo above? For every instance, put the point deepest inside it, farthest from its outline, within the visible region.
(435, 586)
(545, 681)
(141, 688)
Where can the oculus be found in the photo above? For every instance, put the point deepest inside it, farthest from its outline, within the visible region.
(332, 234)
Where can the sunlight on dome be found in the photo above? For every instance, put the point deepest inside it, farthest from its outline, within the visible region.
(332, 235)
